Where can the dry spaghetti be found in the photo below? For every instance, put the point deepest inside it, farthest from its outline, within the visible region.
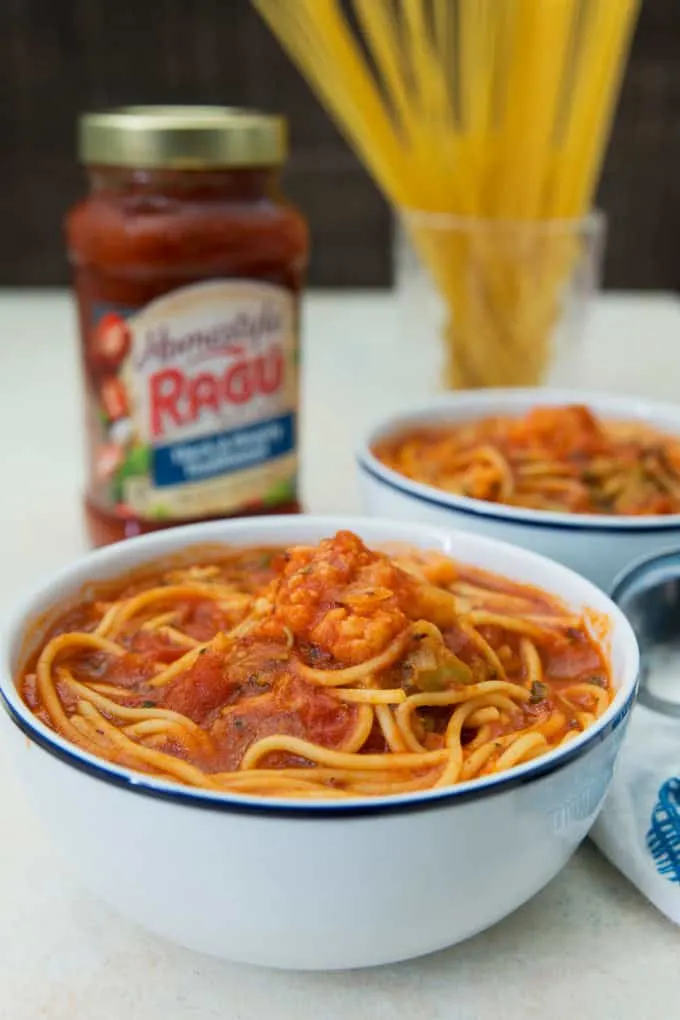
(326, 671)
(491, 112)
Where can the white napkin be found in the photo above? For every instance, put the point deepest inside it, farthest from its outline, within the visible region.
(639, 826)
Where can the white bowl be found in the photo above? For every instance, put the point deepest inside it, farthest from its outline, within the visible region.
(598, 547)
(327, 885)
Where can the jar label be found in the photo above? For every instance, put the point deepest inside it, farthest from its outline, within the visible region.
(193, 402)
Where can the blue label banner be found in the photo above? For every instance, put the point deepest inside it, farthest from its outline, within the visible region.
(195, 460)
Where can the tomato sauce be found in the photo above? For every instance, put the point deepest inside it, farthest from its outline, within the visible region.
(563, 459)
(200, 661)
(188, 266)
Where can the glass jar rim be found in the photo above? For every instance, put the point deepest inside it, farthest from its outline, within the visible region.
(591, 222)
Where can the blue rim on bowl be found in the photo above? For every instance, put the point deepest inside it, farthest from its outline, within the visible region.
(150, 786)
(271, 807)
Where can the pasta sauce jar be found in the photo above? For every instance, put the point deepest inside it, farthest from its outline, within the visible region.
(188, 266)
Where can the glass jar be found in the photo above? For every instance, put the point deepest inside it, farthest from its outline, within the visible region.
(497, 302)
(188, 265)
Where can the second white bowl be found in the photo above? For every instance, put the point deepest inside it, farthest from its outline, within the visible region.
(598, 547)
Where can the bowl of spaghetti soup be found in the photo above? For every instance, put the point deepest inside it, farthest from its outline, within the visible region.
(275, 740)
(589, 479)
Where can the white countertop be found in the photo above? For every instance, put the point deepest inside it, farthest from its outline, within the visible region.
(588, 945)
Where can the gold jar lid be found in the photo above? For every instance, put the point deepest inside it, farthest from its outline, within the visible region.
(182, 137)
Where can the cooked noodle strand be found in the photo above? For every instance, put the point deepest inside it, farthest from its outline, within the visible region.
(433, 673)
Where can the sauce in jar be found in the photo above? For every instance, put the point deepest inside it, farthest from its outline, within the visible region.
(188, 266)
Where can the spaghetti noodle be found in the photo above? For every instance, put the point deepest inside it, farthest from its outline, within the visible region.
(554, 458)
(326, 671)
(475, 113)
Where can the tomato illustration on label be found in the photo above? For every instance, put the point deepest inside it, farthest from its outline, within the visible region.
(110, 344)
(114, 398)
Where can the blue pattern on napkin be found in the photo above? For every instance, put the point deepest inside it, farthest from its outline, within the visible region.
(663, 837)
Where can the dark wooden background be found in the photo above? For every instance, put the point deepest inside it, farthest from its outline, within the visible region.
(58, 57)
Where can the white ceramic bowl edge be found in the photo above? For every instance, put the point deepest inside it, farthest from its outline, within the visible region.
(318, 886)
(597, 547)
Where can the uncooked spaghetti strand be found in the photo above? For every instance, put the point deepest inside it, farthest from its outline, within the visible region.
(353, 99)
(601, 64)
(498, 110)
(542, 37)
(380, 31)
